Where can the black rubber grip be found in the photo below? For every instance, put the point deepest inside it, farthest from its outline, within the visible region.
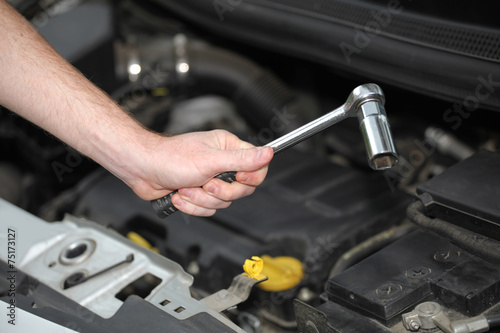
(228, 177)
(163, 207)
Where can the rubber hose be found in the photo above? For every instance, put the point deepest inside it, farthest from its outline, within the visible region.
(493, 321)
(370, 246)
(478, 244)
(258, 94)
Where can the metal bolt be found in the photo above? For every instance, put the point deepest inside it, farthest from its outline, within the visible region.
(411, 321)
(193, 268)
(222, 295)
(249, 323)
(305, 294)
(414, 326)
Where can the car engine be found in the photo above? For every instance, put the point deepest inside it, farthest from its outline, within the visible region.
(325, 244)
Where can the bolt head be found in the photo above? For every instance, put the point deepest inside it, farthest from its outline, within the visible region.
(305, 294)
(222, 295)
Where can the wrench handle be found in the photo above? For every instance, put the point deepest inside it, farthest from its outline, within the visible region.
(163, 207)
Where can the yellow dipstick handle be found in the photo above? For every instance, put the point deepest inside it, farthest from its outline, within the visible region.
(253, 267)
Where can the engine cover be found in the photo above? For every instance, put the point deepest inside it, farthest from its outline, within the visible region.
(467, 194)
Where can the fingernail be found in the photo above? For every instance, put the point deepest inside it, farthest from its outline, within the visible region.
(177, 201)
(211, 188)
(260, 152)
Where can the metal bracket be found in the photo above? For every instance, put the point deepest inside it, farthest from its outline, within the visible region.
(238, 292)
(429, 315)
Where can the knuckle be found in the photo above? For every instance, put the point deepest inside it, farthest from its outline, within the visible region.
(226, 192)
(220, 133)
(227, 196)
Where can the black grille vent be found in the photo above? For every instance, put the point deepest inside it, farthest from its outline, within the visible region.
(447, 35)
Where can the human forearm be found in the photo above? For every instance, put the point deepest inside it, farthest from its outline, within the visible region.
(40, 85)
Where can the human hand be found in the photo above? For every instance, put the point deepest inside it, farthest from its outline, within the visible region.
(77, 112)
(188, 162)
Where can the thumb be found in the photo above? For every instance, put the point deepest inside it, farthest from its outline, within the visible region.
(250, 159)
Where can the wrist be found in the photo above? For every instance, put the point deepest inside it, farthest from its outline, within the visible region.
(122, 146)
(133, 155)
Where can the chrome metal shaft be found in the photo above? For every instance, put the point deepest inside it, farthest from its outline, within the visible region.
(306, 131)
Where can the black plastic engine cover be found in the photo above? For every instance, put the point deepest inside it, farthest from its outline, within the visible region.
(466, 194)
(307, 208)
